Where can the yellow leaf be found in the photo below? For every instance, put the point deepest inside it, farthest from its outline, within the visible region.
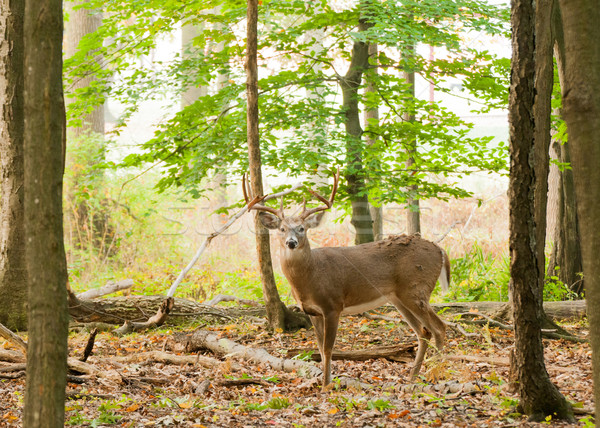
(132, 408)
(333, 411)
(186, 404)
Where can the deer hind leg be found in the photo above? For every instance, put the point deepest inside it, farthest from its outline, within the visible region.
(422, 333)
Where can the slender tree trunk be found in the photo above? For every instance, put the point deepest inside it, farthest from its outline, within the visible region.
(355, 174)
(44, 150)
(581, 101)
(539, 397)
(413, 216)
(13, 274)
(274, 306)
(372, 119)
(565, 260)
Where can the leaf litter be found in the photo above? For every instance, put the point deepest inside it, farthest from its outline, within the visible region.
(450, 391)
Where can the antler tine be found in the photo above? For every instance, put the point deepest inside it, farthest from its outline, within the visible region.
(254, 203)
(328, 202)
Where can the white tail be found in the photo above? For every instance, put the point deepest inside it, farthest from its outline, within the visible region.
(331, 281)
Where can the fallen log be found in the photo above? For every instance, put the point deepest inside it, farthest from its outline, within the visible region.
(116, 310)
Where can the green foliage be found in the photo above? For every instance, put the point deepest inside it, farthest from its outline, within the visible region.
(555, 289)
(479, 276)
(301, 116)
(379, 404)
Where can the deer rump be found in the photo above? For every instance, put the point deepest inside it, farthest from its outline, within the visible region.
(351, 280)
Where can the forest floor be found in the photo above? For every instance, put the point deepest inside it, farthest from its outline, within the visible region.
(238, 393)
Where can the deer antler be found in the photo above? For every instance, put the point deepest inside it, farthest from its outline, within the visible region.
(328, 202)
(254, 203)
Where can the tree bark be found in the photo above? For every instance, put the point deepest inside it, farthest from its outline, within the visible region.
(274, 305)
(581, 101)
(355, 174)
(538, 396)
(13, 274)
(44, 149)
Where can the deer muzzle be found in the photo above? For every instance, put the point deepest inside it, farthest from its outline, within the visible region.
(291, 243)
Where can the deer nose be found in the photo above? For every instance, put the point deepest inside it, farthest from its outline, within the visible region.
(291, 243)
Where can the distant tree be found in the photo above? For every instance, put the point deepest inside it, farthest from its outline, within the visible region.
(581, 107)
(565, 261)
(44, 150)
(539, 397)
(13, 274)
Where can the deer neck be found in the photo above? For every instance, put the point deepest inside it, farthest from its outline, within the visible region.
(296, 263)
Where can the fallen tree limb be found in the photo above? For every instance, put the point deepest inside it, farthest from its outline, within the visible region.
(109, 288)
(503, 361)
(401, 353)
(548, 334)
(571, 309)
(226, 298)
(202, 339)
(166, 358)
(13, 338)
(11, 356)
(154, 321)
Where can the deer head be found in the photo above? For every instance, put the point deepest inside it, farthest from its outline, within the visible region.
(292, 230)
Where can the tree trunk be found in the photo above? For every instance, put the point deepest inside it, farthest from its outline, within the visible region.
(81, 22)
(413, 216)
(565, 260)
(372, 119)
(13, 275)
(581, 101)
(275, 308)
(539, 397)
(44, 150)
(355, 174)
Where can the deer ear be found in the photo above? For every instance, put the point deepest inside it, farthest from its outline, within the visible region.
(268, 220)
(314, 220)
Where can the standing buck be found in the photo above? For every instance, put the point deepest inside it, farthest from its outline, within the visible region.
(332, 281)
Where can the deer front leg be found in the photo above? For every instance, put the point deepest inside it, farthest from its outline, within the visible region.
(329, 333)
(317, 322)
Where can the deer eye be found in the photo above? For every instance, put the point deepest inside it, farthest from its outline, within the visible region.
(301, 229)
(282, 229)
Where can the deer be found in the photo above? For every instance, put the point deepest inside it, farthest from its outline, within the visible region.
(329, 282)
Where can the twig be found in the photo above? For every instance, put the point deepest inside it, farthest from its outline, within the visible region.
(90, 345)
(226, 298)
